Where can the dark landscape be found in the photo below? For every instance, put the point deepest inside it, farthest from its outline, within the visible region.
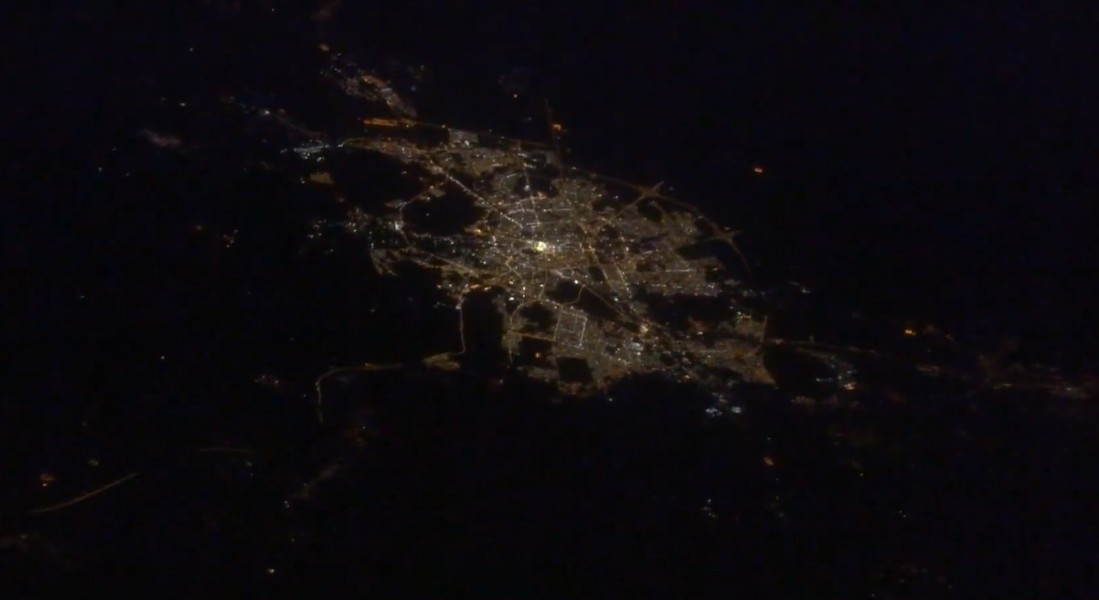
(913, 192)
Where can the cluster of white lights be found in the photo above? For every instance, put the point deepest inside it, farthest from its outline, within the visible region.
(540, 246)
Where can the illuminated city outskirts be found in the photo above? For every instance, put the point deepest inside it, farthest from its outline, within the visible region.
(595, 278)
